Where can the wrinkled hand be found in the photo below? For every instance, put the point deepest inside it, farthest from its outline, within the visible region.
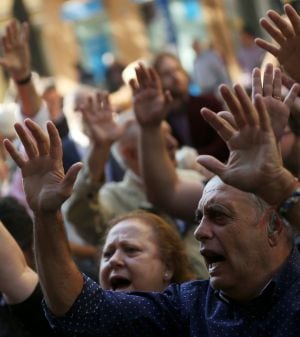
(254, 162)
(149, 100)
(45, 184)
(16, 59)
(287, 34)
(99, 118)
(270, 90)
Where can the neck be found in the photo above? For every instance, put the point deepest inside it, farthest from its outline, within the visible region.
(248, 292)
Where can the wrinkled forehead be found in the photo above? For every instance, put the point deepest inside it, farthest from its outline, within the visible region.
(128, 229)
(219, 192)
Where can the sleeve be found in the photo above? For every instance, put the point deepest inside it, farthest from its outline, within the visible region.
(84, 211)
(41, 117)
(106, 313)
(30, 313)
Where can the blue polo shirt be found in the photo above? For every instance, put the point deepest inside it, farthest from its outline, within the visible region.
(190, 309)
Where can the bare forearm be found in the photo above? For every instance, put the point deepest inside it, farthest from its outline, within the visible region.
(163, 186)
(60, 279)
(83, 210)
(158, 171)
(29, 99)
(17, 280)
(96, 159)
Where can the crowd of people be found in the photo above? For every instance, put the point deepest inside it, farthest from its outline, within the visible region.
(208, 250)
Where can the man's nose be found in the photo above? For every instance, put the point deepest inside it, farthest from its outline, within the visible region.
(203, 231)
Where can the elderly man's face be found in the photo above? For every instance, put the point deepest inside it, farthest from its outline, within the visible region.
(233, 241)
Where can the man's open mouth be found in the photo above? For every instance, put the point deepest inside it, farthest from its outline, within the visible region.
(212, 259)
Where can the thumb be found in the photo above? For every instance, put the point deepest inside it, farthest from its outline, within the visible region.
(212, 164)
(69, 180)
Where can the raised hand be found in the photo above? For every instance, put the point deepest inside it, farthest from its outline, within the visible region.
(45, 184)
(99, 118)
(149, 100)
(16, 59)
(270, 90)
(254, 163)
(287, 35)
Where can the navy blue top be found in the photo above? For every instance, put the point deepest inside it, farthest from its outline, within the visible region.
(190, 309)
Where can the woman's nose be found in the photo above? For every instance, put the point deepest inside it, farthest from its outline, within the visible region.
(117, 259)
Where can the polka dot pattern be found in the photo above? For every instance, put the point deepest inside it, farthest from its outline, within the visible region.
(191, 309)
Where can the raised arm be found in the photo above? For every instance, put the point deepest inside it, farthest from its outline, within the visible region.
(46, 188)
(254, 163)
(83, 209)
(17, 280)
(16, 61)
(163, 186)
(286, 34)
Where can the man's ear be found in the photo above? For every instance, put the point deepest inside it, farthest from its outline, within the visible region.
(274, 228)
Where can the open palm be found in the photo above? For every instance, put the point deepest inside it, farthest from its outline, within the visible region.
(99, 118)
(150, 102)
(45, 184)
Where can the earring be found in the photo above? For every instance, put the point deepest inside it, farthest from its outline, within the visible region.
(166, 275)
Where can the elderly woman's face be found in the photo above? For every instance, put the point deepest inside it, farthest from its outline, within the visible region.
(131, 259)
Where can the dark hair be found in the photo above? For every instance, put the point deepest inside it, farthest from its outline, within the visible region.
(172, 250)
(248, 30)
(18, 222)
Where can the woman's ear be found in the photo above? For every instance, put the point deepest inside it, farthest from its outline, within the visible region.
(168, 273)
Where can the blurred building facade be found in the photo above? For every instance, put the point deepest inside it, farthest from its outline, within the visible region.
(86, 35)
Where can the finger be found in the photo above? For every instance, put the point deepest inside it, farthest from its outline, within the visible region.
(228, 117)
(224, 129)
(287, 81)
(212, 164)
(233, 105)
(168, 97)
(69, 180)
(264, 118)
(268, 80)
(16, 155)
(142, 76)
(13, 32)
(292, 95)
(6, 44)
(105, 101)
(8, 34)
(25, 31)
(277, 83)
(55, 142)
(285, 28)
(294, 18)
(134, 86)
(42, 141)
(256, 82)
(273, 31)
(27, 141)
(156, 83)
(267, 46)
(250, 113)
(98, 105)
(89, 105)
